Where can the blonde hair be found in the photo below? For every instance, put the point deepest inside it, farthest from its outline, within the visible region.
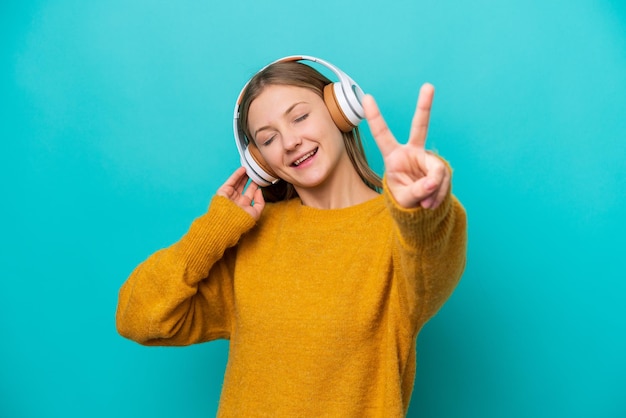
(293, 73)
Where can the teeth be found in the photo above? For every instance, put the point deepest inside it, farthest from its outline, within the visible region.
(304, 157)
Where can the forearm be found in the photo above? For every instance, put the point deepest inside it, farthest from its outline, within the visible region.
(443, 262)
(431, 248)
(181, 294)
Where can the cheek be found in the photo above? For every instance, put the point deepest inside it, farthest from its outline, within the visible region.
(337, 139)
(333, 133)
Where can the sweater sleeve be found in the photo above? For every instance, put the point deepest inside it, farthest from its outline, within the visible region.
(430, 254)
(183, 294)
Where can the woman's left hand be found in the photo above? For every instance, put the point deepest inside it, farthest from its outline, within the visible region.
(414, 176)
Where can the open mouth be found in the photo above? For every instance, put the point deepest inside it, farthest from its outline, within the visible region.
(304, 158)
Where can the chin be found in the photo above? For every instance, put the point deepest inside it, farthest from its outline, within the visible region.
(309, 183)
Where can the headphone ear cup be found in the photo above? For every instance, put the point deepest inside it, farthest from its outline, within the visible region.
(334, 108)
(255, 153)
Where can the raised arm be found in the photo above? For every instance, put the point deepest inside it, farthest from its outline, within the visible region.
(431, 225)
(183, 294)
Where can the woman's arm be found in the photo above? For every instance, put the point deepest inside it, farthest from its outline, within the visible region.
(183, 294)
(430, 250)
(431, 228)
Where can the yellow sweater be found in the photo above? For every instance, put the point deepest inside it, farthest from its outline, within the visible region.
(322, 307)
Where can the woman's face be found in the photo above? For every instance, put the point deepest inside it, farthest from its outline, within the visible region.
(296, 136)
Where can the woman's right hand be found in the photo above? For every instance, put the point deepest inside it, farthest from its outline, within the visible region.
(249, 199)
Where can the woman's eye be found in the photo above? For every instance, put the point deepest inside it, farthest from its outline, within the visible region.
(301, 118)
(268, 141)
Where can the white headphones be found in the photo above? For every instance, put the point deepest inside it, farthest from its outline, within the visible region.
(342, 98)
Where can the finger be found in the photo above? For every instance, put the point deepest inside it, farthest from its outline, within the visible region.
(422, 190)
(439, 174)
(242, 180)
(234, 184)
(429, 202)
(250, 192)
(433, 199)
(438, 171)
(259, 201)
(436, 174)
(441, 193)
(435, 169)
(421, 118)
(378, 127)
(236, 178)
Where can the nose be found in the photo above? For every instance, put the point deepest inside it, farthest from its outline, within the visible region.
(291, 140)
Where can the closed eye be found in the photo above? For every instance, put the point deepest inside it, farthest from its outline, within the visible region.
(301, 118)
(268, 140)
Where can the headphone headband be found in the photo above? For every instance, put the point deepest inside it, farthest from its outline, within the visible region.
(344, 105)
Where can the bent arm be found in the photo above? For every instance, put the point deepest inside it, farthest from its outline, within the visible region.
(182, 294)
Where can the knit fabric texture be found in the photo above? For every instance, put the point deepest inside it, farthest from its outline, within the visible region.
(322, 307)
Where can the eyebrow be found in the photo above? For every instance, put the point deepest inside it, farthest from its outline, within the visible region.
(289, 109)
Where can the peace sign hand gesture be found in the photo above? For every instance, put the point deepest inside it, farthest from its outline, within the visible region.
(414, 176)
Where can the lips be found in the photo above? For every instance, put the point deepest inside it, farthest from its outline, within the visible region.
(304, 158)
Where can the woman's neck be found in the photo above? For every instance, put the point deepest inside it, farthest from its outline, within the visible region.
(344, 191)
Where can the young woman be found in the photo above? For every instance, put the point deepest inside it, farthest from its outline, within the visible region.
(320, 281)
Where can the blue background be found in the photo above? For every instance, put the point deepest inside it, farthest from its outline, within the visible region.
(116, 121)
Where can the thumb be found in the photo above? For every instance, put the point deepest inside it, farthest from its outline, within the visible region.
(423, 188)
